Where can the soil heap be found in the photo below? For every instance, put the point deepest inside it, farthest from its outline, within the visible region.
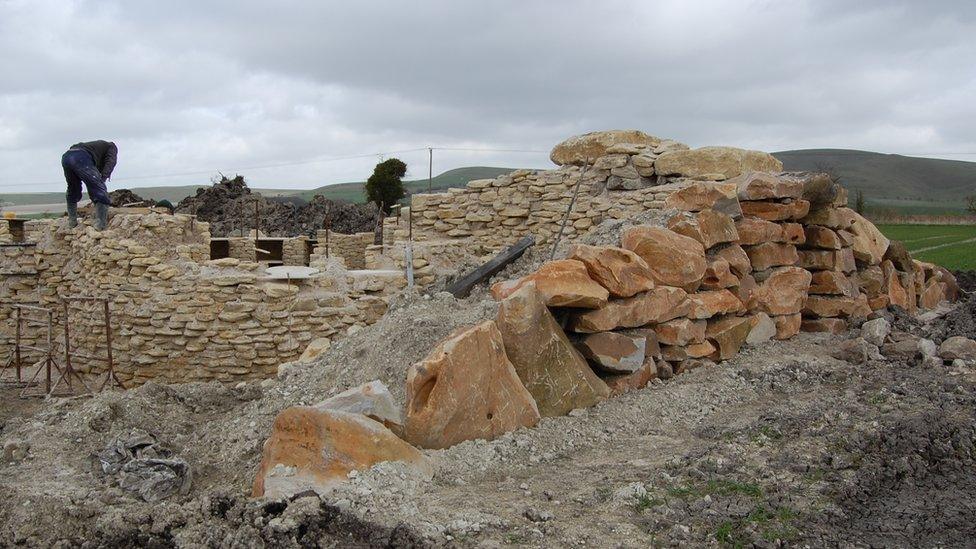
(228, 206)
(123, 197)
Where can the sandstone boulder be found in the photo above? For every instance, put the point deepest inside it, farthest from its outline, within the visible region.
(466, 389)
(622, 272)
(315, 348)
(736, 257)
(834, 260)
(674, 259)
(658, 305)
(876, 331)
(700, 196)
(708, 304)
(680, 331)
(793, 233)
(556, 376)
(313, 449)
(776, 211)
(580, 149)
(834, 218)
(728, 334)
(958, 347)
(869, 244)
(765, 186)
(787, 326)
(824, 325)
(728, 161)
(718, 275)
(562, 283)
(822, 237)
(753, 230)
(898, 254)
(771, 254)
(783, 292)
(624, 383)
(708, 227)
(700, 350)
(761, 329)
(613, 352)
(372, 400)
(870, 280)
(821, 306)
(832, 283)
(933, 294)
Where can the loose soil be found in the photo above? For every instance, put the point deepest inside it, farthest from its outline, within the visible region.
(782, 444)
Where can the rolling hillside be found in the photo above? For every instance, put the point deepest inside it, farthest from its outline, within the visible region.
(353, 192)
(906, 183)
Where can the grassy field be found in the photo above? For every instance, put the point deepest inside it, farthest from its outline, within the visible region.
(952, 246)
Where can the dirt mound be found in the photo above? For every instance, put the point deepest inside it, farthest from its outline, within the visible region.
(966, 280)
(229, 207)
(124, 197)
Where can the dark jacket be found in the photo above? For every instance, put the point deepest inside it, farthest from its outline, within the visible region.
(104, 153)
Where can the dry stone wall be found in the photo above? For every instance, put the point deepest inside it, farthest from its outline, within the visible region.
(178, 316)
(351, 248)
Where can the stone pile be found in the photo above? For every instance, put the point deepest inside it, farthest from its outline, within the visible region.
(747, 255)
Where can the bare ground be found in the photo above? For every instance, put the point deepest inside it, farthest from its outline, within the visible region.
(782, 445)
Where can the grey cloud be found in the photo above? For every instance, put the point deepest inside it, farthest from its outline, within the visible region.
(189, 85)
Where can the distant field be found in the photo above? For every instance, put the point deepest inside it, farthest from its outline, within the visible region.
(952, 246)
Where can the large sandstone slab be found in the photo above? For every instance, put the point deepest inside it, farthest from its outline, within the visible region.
(466, 389)
(771, 254)
(658, 305)
(624, 383)
(712, 303)
(719, 275)
(562, 283)
(553, 372)
(765, 186)
(824, 306)
(622, 272)
(753, 230)
(707, 226)
(372, 400)
(613, 352)
(680, 331)
(699, 196)
(316, 449)
(776, 211)
(728, 161)
(674, 259)
(834, 260)
(832, 283)
(869, 244)
(581, 149)
(728, 334)
(870, 280)
(787, 326)
(762, 329)
(782, 293)
(834, 218)
(736, 257)
(822, 237)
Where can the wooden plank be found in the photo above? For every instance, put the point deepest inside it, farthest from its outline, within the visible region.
(462, 288)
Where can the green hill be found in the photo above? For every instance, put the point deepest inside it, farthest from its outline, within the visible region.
(352, 192)
(905, 183)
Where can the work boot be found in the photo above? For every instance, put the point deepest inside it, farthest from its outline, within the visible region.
(101, 216)
(72, 214)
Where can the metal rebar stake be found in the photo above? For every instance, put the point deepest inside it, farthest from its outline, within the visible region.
(569, 209)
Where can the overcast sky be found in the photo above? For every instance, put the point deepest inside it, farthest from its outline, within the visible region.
(204, 86)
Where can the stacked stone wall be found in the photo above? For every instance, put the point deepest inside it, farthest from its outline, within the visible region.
(351, 248)
(178, 316)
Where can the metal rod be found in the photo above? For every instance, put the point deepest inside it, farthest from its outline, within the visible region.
(67, 353)
(569, 209)
(430, 168)
(17, 357)
(257, 223)
(50, 346)
(327, 239)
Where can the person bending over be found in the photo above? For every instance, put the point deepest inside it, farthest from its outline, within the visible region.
(91, 162)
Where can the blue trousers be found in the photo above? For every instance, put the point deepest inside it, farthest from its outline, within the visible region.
(79, 167)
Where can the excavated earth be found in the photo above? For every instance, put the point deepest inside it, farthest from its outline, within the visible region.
(229, 207)
(782, 445)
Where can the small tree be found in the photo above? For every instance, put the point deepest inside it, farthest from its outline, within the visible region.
(971, 203)
(859, 202)
(385, 187)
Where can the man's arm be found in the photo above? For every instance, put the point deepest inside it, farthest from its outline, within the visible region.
(111, 156)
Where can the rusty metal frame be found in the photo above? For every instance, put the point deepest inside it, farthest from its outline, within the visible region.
(69, 371)
(22, 319)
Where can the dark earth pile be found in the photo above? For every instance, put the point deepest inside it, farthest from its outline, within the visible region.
(123, 197)
(229, 207)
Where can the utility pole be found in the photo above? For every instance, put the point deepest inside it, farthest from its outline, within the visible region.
(430, 167)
